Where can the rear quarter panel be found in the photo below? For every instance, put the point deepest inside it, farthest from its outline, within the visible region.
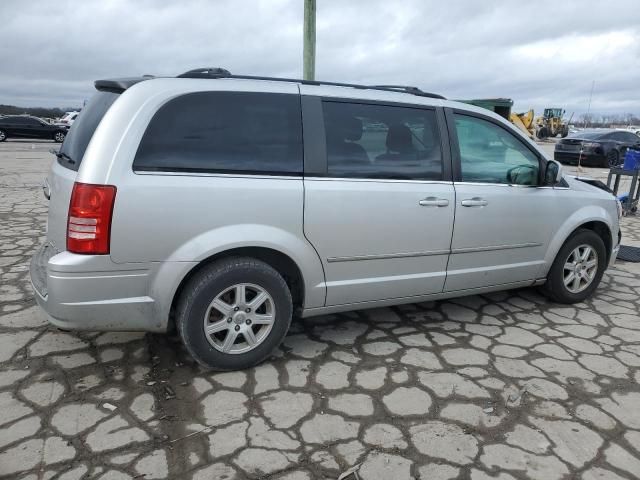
(181, 219)
(184, 218)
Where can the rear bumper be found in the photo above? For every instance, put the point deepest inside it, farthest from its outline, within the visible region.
(84, 292)
(587, 159)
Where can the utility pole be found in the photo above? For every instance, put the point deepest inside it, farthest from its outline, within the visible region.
(309, 47)
(588, 119)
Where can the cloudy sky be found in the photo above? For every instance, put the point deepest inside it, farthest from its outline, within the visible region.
(542, 53)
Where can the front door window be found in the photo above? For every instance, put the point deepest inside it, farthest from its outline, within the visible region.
(491, 154)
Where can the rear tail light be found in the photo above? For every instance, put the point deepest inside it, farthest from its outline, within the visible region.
(89, 224)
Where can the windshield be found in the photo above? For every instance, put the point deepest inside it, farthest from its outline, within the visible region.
(81, 131)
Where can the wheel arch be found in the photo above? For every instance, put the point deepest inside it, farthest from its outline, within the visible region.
(286, 250)
(603, 231)
(597, 222)
(281, 262)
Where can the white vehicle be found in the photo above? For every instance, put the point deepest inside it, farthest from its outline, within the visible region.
(68, 118)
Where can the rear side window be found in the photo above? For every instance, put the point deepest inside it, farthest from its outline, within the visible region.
(381, 141)
(618, 136)
(80, 133)
(627, 137)
(225, 132)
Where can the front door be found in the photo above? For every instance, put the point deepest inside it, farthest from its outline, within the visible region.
(501, 229)
(381, 215)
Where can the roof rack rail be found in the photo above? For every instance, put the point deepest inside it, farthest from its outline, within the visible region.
(402, 88)
(217, 72)
(206, 73)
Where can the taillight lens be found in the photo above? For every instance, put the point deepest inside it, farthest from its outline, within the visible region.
(89, 224)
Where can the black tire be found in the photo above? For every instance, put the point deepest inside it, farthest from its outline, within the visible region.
(613, 158)
(555, 288)
(542, 133)
(59, 136)
(565, 132)
(203, 288)
(3, 135)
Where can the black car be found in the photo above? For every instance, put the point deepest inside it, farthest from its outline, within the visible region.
(595, 148)
(24, 126)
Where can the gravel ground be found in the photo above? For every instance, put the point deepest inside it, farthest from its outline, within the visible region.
(502, 386)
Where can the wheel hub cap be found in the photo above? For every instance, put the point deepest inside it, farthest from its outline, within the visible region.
(239, 318)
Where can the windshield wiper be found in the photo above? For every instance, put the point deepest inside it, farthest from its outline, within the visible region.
(63, 155)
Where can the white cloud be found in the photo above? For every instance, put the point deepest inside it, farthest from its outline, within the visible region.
(543, 53)
(572, 49)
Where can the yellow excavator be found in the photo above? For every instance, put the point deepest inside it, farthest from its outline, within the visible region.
(550, 124)
(525, 122)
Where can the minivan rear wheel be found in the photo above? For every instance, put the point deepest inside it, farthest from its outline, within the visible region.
(578, 268)
(3, 135)
(234, 313)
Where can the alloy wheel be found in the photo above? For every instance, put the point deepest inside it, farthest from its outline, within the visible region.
(239, 318)
(580, 268)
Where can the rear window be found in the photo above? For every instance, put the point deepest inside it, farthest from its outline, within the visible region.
(587, 135)
(225, 132)
(82, 130)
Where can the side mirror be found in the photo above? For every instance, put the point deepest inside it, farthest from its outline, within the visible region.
(552, 173)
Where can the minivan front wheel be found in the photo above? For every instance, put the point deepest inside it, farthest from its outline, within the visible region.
(578, 268)
(234, 313)
(59, 137)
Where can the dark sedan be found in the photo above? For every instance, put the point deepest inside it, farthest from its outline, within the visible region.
(595, 148)
(24, 126)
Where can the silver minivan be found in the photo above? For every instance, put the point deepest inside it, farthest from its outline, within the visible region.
(224, 205)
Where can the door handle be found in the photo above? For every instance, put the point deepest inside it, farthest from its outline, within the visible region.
(474, 202)
(433, 202)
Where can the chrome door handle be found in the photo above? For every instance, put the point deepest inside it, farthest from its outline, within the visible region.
(433, 202)
(474, 202)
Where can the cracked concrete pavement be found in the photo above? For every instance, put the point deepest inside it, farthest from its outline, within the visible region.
(502, 386)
